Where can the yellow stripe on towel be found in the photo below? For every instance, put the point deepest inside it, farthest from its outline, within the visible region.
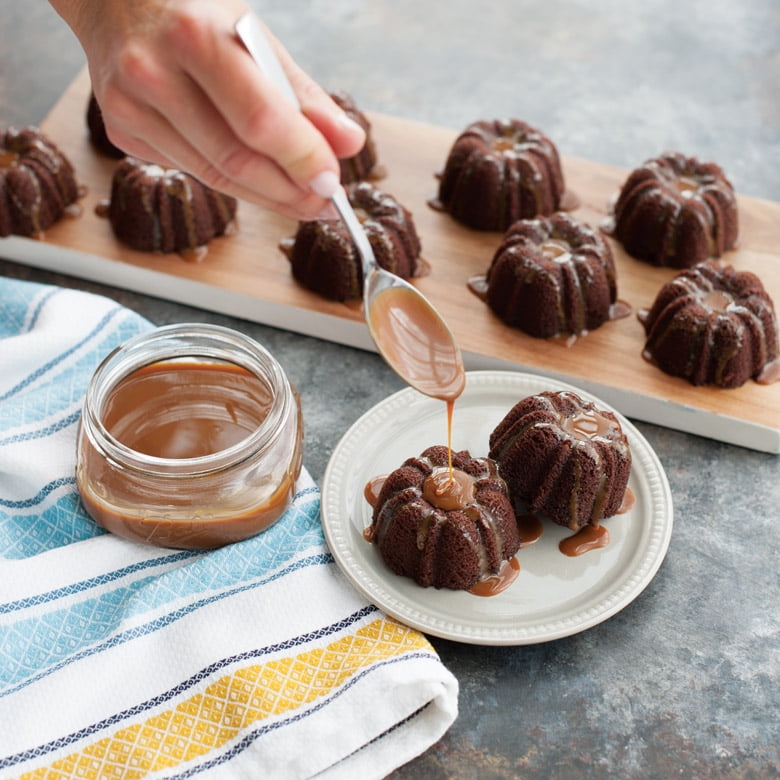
(208, 720)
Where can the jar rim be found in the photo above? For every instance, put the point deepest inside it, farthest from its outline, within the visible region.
(181, 341)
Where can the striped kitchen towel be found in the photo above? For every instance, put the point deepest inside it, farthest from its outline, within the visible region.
(126, 661)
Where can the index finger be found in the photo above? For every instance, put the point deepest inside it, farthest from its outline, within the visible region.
(257, 112)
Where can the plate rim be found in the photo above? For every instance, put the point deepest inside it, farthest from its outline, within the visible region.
(372, 584)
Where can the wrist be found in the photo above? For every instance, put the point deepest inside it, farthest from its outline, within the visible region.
(78, 14)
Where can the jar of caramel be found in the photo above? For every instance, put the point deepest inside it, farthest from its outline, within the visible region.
(190, 436)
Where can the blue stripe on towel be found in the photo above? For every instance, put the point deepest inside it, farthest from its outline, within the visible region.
(62, 522)
(42, 407)
(56, 361)
(82, 586)
(322, 559)
(40, 496)
(20, 305)
(61, 384)
(35, 313)
(33, 647)
(42, 433)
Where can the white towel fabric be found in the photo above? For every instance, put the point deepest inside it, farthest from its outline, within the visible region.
(127, 661)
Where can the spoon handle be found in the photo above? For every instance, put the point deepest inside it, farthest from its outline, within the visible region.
(356, 231)
(252, 34)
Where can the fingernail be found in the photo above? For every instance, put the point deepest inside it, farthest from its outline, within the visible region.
(350, 124)
(325, 184)
(329, 212)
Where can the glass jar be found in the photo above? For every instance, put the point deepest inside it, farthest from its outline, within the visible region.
(190, 437)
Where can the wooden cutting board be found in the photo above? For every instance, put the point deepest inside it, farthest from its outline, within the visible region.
(246, 275)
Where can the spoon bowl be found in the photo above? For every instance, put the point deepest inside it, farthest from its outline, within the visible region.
(406, 329)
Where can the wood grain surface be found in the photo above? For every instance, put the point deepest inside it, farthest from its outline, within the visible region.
(245, 274)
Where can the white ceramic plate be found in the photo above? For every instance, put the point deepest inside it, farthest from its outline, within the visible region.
(554, 596)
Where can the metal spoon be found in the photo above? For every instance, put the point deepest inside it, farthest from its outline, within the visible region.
(407, 330)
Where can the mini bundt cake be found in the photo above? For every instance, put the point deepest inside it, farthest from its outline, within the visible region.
(498, 172)
(362, 166)
(563, 458)
(553, 275)
(97, 130)
(325, 259)
(713, 325)
(442, 533)
(676, 211)
(37, 182)
(153, 209)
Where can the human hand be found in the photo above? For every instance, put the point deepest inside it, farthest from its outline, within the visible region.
(177, 88)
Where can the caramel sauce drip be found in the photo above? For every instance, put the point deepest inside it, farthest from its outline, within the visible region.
(629, 499)
(449, 490)
(569, 201)
(373, 488)
(497, 583)
(195, 254)
(478, 285)
(8, 158)
(587, 424)
(530, 528)
(619, 309)
(555, 248)
(686, 185)
(770, 373)
(594, 537)
(505, 145)
(450, 411)
(717, 300)
(73, 210)
(589, 537)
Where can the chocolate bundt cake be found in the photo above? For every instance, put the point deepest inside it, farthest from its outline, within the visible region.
(325, 259)
(563, 458)
(676, 211)
(153, 209)
(37, 182)
(498, 172)
(362, 166)
(442, 534)
(97, 130)
(713, 325)
(553, 275)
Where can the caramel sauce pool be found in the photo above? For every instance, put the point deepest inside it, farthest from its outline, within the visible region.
(589, 537)
(497, 583)
(449, 488)
(594, 537)
(177, 411)
(214, 407)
